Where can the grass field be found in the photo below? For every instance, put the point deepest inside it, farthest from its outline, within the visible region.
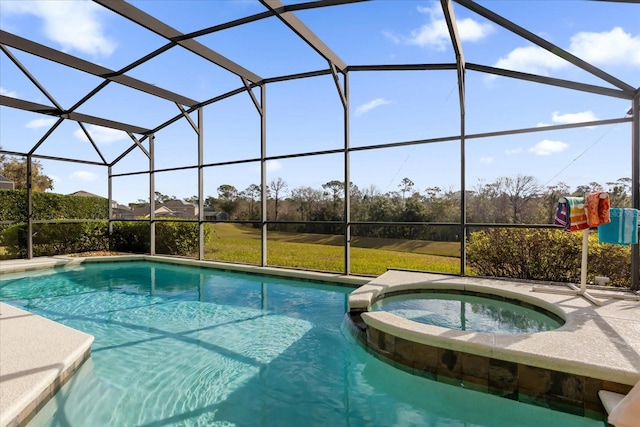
(321, 252)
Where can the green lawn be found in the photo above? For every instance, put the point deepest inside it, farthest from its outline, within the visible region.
(370, 256)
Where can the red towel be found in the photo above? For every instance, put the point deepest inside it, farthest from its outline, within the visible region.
(598, 205)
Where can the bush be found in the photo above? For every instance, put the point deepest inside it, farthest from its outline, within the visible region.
(172, 237)
(56, 239)
(13, 206)
(177, 238)
(130, 237)
(545, 254)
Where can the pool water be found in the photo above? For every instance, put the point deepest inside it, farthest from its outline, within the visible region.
(468, 312)
(186, 346)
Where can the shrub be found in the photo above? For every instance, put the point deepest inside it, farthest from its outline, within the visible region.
(130, 237)
(546, 254)
(55, 239)
(172, 237)
(13, 206)
(177, 238)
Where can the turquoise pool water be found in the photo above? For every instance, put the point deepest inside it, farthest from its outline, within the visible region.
(468, 312)
(184, 346)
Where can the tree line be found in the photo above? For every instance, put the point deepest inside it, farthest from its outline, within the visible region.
(519, 199)
(516, 199)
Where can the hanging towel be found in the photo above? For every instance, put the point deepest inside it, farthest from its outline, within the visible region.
(598, 208)
(560, 218)
(577, 214)
(623, 228)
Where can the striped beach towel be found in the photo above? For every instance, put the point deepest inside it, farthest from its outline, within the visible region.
(577, 214)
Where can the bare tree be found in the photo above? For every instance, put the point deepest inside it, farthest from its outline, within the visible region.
(307, 199)
(519, 190)
(276, 187)
(252, 194)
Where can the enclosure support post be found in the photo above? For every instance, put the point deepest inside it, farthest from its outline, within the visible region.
(110, 209)
(200, 183)
(347, 180)
(152, 197)
(263, 175)
(635, 185)
(29, 209)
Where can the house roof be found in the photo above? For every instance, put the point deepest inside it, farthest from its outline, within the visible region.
(178, 202)
(85, 194)
(3, 179)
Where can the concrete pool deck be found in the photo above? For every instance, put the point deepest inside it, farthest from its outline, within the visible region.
(600, 342)
(37, 356)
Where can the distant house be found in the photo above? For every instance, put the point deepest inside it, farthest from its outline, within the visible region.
(177, 205)
(212, 215)
(6, 183)
(118, 211)
(165, 212)
(169, 209)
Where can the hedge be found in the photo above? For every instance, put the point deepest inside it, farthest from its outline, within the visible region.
(546, 254)
(51, 206)
(56, 239)
(173, 238)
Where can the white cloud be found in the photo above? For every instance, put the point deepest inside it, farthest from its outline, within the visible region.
(40, 123)
(273, 165)
(547, 147)
(612, 47)
(9, 93)
(83, 176)
(75, 25)
(486, 160)
(101, 135)
(513, 151)
(434, 34)
(531, 59)
(567, 118)
(608, 47)
(370, 106)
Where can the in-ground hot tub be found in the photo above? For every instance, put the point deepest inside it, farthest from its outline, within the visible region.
(551, 364)
(469, 311)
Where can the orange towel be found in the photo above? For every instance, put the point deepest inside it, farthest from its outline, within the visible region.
(598, 205)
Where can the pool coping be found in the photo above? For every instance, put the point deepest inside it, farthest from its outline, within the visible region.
(59, 261)
(601, 342)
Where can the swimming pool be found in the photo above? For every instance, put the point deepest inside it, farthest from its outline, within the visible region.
(177, 345)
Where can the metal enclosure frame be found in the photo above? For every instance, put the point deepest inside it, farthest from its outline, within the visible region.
(250, 81)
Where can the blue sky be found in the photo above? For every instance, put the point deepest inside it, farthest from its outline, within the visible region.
(306, 115)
